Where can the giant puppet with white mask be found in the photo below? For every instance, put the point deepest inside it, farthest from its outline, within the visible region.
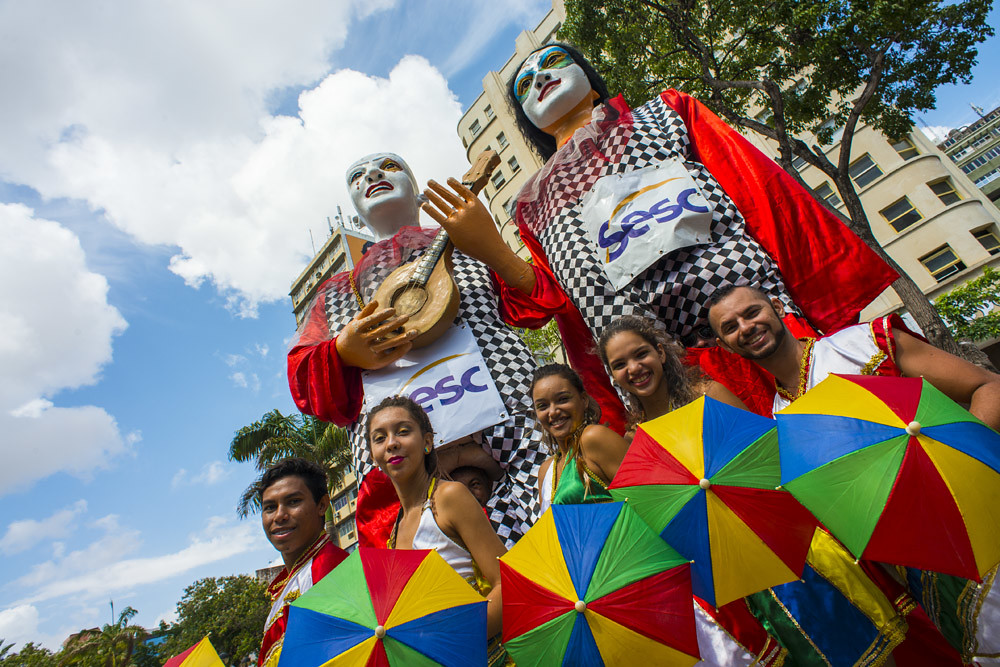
(351, 352)
(644, 212)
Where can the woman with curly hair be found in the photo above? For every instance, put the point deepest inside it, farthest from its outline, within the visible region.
(646, 364)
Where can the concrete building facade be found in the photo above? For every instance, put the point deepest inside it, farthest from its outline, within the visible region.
(975, 149)
(923, 208)
(341, 251)
(489, 123)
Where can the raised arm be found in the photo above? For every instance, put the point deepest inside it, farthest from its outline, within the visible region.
(958, 379)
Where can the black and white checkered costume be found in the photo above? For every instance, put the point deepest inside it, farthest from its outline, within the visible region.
(515, 444)
(675, 289)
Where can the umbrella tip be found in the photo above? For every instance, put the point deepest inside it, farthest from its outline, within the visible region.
(580, 606)
(380, 631)
(913, 428)
(778, 488)
(705, 483)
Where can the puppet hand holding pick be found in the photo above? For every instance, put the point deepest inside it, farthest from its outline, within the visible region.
(470, 227)
(368, 342)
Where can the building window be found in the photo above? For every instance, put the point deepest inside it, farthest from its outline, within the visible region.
(514, 166)
(945, 191)
(988, 238)
(864, 170)
(498, 180)
(905, 148)
(507, 207)
(341, 501)
(764, 116)
(489, 112)
(475, 128)
(826, 193)
(901, 214)
(942, 263)
(502, 140)
(798, 163)
(346, 528)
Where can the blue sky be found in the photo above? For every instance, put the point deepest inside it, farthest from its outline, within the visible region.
(161, 166)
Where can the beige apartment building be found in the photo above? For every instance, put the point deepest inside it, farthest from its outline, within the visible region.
(341, 251)
(925, 212)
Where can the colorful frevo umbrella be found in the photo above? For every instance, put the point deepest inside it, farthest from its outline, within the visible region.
(387, 607)
(704, 477)
(592, 585)
(896, 471)
(201, 654)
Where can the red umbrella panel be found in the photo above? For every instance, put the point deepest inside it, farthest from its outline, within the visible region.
(897, 471)
(704, 477)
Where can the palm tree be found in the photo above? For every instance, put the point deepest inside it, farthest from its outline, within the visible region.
(111, 646)
(277, 436)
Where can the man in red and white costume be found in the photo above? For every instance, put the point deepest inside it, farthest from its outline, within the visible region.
(293, 497)
(749, 324)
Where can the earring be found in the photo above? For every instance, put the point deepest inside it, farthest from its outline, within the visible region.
(427, 449)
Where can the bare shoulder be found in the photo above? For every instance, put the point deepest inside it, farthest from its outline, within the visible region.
(452, 492)
(599, 436)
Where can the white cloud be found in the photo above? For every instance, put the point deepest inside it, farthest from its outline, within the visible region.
(26, 533)
(211, 473)
(99, 571)
(245, 381)
(175, 145)
(262, 349)
(19, 624)
(56, 331)
(234, 360)
(482, 22)
(937, 133)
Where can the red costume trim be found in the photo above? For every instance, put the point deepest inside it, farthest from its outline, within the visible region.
(775, 208)
(325, 556)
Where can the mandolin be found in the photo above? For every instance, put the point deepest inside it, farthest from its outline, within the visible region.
(425, 288)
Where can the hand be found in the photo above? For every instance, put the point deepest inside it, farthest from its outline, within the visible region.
(465, 218)
(368, 342)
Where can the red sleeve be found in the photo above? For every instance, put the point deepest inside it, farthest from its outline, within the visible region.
(582, 356)
(322, 385)
(777, 209)
(547, 298)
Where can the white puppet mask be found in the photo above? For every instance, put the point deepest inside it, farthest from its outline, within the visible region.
(384, 193)
(549, 84)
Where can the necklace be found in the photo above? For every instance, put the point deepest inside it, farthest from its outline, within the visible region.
(391, 542)
(803, 372)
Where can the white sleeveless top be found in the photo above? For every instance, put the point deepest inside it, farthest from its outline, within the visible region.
(545, 497)
(430, 536)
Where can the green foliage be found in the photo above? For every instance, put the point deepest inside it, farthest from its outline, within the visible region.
(111, 646)
(277, 436)
(30, 655)
(971, 309)
(230, 610)
(542, 341)
(802, 58)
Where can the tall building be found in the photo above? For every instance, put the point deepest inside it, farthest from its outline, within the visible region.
(930, 218)
(975, 149)
(489, 124)
(344, 500)
(341, 251)
(927, 214)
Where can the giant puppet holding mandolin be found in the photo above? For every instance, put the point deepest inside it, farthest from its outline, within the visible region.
(416, 317)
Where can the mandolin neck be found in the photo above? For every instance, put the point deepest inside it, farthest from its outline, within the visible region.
(430, 258)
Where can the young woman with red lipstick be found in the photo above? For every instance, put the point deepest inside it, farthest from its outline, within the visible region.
(646, 365)
(435, 513)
